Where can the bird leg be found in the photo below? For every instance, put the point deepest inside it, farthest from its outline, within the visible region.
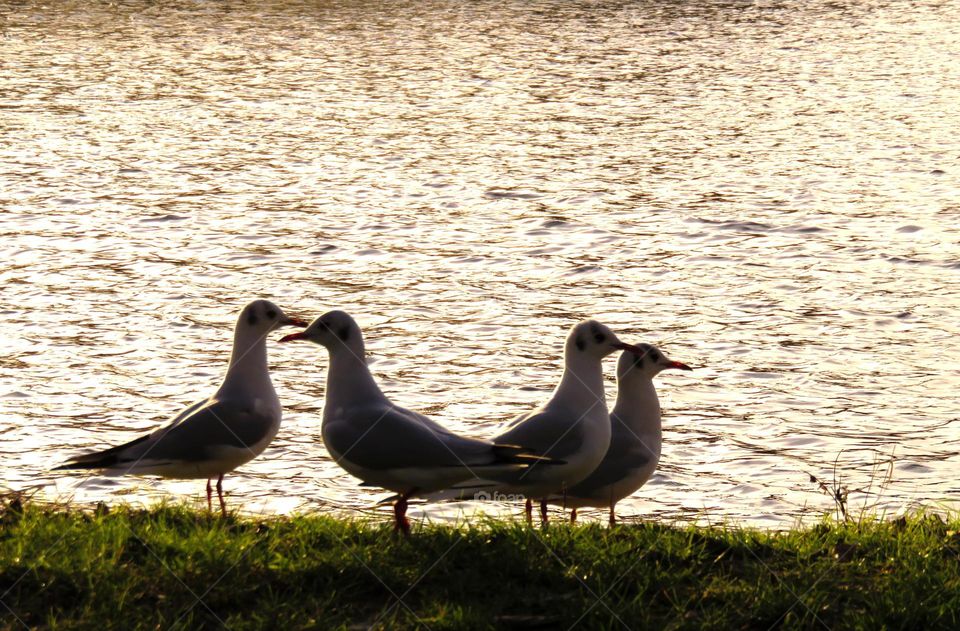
(400, 522)
(209, 497)
(573, 516)
(528, 509)
(223, 504)
(613, 515)
(543, 512)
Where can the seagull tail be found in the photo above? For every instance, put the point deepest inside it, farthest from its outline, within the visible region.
(99, 459)
(516, 454)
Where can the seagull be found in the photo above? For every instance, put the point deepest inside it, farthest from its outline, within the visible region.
(386, 445)
(216, 435)
(572, 428)
(635, 435)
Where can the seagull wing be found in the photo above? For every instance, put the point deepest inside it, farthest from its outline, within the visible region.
(389, 437)
(194, 435)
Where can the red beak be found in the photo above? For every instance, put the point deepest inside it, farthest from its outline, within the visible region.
(679, 365)
(289, 320)
(300, 335)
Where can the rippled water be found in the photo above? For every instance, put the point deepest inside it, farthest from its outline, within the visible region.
(768, 190)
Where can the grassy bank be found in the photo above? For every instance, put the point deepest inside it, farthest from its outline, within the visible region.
(175, 568)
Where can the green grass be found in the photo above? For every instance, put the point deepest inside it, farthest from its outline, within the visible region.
(174, 567)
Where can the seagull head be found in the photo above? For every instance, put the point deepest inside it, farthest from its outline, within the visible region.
(332, 330)
(593, 339)
(262, 316)
(647, 363)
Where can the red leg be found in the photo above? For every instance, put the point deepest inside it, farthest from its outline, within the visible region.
(223, 504)
(543, 512)
(209, 497)
(400, 521)
(613, 515)
(528, 509)
(573, 516)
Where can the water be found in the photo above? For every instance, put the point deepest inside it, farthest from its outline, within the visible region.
(768, 190)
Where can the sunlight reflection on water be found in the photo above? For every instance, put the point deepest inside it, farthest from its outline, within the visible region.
(768, 191)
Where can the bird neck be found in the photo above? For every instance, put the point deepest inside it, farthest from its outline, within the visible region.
(247, 372)
(581, 386)
(349, 381)
(637, 405)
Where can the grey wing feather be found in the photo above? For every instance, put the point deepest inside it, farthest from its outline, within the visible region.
(394, 438)
(545, 433)
(613, 470)
(217, 424)
(186, 412)
(121, 453)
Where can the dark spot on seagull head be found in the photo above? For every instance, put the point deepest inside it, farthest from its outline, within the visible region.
(336, 329)
(597, 333)
(649, 355)
(264, 316)
(644, 364)
(593, 339)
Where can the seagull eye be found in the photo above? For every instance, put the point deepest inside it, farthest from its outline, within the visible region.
(600, 337)
(654, 356)
(271, 314)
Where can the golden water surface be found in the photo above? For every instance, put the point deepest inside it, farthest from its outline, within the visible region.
(768, 190)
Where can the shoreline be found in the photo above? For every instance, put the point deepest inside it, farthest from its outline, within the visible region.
(173, 566)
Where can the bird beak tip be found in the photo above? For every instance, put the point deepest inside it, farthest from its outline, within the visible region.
(293, 337)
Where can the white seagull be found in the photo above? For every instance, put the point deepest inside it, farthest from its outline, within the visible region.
(216, 435)
(388, 446)
(572, 429)
(635, 435)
